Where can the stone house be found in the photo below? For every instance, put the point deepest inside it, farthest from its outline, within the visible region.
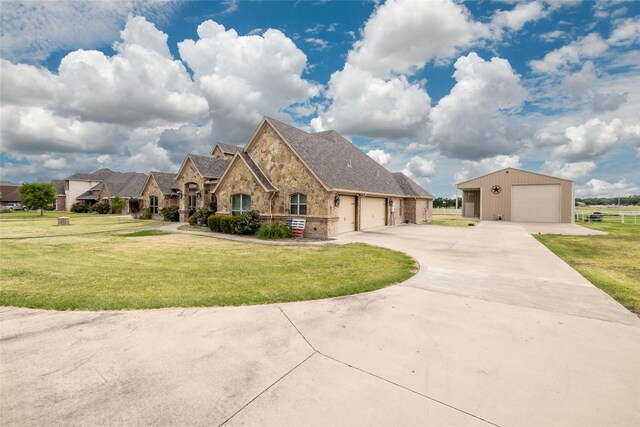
(285, 172)
(197, 177)
(161, 190)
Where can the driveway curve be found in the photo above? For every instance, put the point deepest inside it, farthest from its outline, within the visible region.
(494, 329)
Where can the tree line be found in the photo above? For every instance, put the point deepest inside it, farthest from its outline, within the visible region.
(622, 201)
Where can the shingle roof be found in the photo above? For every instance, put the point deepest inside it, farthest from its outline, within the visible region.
(123, 184)
(99, 175)
(209, 167)
(228, 148)
(10, 192)
(409, 187)
(256, 170)
(166, 181)
(339, 164)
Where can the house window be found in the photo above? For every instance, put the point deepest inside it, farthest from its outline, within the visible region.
(153, 204)
(298, 204)
(240, 203)
(192, 202)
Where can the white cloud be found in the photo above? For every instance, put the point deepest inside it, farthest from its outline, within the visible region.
(600, 188)
(380, 156)
(589, 140)
(590, 46)
(516, 18)
(574, 171)
(246, 77)
(471, 169)
(402, 36)
(150, 157)
(319, 44)
(53, 163)
(604, 102)
(551, 36)
(104, 158)
(31, 31)
(579, 84)
(627, 33)
(366, 105)
(470, 122)
(419, 167)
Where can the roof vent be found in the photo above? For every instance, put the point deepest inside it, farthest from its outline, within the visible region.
(349, 164)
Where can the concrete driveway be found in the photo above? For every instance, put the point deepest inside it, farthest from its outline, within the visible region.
(494, 329)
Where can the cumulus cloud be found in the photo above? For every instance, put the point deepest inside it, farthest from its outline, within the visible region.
(246, 77)
(516, 18)
(579, 84)
(574, 171)
(189, 138)
(600, 188)
(471, 122)
(589, 140)
(31, 31)
(590, 46)
(150, 157)
(419, 167)
(611, 101)
(626, 33)
(471, 169)
(401, 36)
(380, 156)
(53, 163)
(370, 106)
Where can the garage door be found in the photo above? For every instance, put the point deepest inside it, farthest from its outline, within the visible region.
(347, 214)
(535, 203)
(373, 212)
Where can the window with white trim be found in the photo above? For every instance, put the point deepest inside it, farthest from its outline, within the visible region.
(240, 203)
(153, 204)
(298, 204)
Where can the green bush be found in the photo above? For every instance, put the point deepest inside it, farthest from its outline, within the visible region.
(223, 223)
(145, 213)
(117, 204)
(80, 207)
(249, 223)
(101, 208)
(170, 214)
(201, 217)
(276, 230)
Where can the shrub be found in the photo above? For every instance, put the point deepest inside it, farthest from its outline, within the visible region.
(170, 214)
(223, 223)
(249, 223)
(117, 204)
(201, 217)
(276, 230)
(80, 207)
(134, 207)
(145, 213)
(192, 220)
(101, 208)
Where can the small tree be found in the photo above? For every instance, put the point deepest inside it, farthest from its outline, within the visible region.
(134, 207)
(117, 204)
(38, 195)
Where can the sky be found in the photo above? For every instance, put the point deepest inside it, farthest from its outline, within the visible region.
(441, 90)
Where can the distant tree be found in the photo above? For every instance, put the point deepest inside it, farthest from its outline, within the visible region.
(38, 195)
(117, 204)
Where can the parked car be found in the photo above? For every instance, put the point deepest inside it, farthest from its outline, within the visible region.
(16, 207)
(596, 216)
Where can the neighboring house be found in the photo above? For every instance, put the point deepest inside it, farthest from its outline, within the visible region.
(9, 193)
(284, 172)
(160, 191)
(102, 185)
(516, 195)
(197, 177)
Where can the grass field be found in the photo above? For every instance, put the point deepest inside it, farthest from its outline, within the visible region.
(12, 227)
(156, 270)
(449, 220)
(608, 261)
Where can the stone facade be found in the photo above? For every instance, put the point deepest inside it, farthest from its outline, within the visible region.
(217, 152)
(190, 183)
(164, 200)
(240, 180)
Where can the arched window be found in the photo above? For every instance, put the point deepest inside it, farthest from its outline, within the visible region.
(298, 204)
(240, 203)
(153, 204)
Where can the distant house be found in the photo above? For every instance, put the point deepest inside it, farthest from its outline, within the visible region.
(9, 193)
(284, 172)
(101, 185)
(161, 190)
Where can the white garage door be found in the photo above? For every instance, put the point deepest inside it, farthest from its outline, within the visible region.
(373, 212)
(347, 214)
(535, 203)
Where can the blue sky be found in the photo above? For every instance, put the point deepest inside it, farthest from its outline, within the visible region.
(441, 90)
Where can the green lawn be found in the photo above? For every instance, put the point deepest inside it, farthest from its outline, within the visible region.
(12, 227)
(449, 220)
(609, 261)
(155, 270)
